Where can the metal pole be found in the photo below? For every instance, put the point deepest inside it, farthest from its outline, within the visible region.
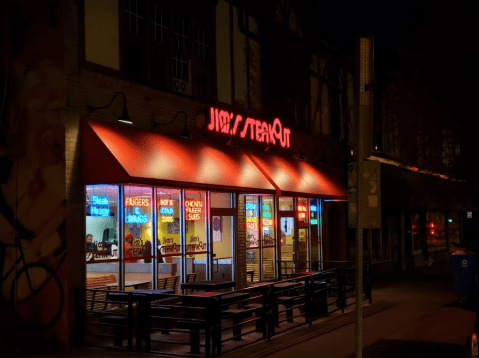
(364, 103)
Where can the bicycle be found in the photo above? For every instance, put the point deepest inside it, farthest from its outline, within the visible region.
(29, 283)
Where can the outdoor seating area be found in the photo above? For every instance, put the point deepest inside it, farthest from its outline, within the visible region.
(205, 320)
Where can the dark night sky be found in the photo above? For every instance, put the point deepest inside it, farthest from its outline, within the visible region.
(394, 23)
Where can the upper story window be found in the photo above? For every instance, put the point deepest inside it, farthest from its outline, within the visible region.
(161, 44)
(159, 24)
(135, 10)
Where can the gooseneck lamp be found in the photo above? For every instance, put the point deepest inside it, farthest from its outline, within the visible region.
(124, 117)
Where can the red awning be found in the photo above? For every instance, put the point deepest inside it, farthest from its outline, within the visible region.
(114, 153)
(298, 177)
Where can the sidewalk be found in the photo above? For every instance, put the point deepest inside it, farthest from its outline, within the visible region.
(399, 308)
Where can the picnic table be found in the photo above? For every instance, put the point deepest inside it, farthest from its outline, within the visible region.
(208, 286)
(143, 299)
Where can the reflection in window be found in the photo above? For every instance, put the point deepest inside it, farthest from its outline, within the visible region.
(268, 236)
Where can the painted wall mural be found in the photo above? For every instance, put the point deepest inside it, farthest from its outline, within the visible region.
(32, 177)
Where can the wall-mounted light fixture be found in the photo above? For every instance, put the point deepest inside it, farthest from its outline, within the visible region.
(124, 117)
(186, 131)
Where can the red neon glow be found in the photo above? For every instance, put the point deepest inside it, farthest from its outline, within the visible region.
(302, 208)
(193, 209)
(432, 232)
(432, 224)
(137, 202)
(302, 215)
(221, 121)
(166, 202)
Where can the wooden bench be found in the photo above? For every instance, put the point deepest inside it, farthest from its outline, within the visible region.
(237, 314)
(97, 300)
(190, 277)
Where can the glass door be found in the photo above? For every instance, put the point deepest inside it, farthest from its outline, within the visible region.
(222, 237)
(288, 252)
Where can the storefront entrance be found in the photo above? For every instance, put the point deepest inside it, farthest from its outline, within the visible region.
(222, 231)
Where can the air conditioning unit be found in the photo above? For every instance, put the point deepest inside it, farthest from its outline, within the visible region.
(181, 86)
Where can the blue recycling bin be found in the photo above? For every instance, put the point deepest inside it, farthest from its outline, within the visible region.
(464, 269)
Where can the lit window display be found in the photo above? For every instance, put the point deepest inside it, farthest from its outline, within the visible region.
(252, 236)
(268, 236)
(196, 238)
(101, 227)
(169, 241)
(137, 245)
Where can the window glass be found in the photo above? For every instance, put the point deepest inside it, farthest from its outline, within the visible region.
(220, 200)
(137, 245)
(268, 236)
(196, 238)
(169, 241)
(435, 230)
(101, 209)
(416, 234)
(286, 203)
(252, 235)
(453, 227)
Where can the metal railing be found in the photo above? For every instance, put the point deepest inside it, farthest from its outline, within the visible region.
(208, 325)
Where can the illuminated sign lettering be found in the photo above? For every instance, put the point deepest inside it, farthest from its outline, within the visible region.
(250, 206)
(193, 209)
(166, 202)
(302, 208)
(266, 215)
(313, 208)
(314, 221)
(266, 207)
(222, 121)
(302, 215)
(167, 219)
(137, 202)
(252, 226)
(166, 211)
(252, 220)
(99, 206)
(137, 217)
(267, 222)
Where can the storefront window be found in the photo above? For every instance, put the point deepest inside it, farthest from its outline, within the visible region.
(416, 234)
(302, 207)
(169, 241)
(268, 236)
(221, 200)
(315, 218)
(453, 227)
(286, 203)
(196, 238)
(435, 231)
(137, 245)
(252, 235)
(101, 208)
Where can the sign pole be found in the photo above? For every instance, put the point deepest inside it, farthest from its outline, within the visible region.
(365, 74)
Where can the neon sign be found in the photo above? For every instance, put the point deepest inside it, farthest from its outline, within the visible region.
(137, 202)
(314, 221)
(99, 206)
(313, 208)
(267, 222)
(193, 209)
(137, 217)
(166, 202)
(222, 121)
(250, 206)
(266, 215)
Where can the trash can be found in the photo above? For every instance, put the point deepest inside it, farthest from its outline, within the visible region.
(464, 268)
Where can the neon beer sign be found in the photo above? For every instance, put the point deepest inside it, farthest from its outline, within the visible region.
(193, 209)
(99, 206)
(232, 124)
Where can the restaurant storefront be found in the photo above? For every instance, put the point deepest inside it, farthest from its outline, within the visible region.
(158, 206)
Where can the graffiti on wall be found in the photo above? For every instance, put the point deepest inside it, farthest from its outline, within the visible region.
(32, 178)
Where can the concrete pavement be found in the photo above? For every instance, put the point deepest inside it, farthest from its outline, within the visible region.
(400, 305)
